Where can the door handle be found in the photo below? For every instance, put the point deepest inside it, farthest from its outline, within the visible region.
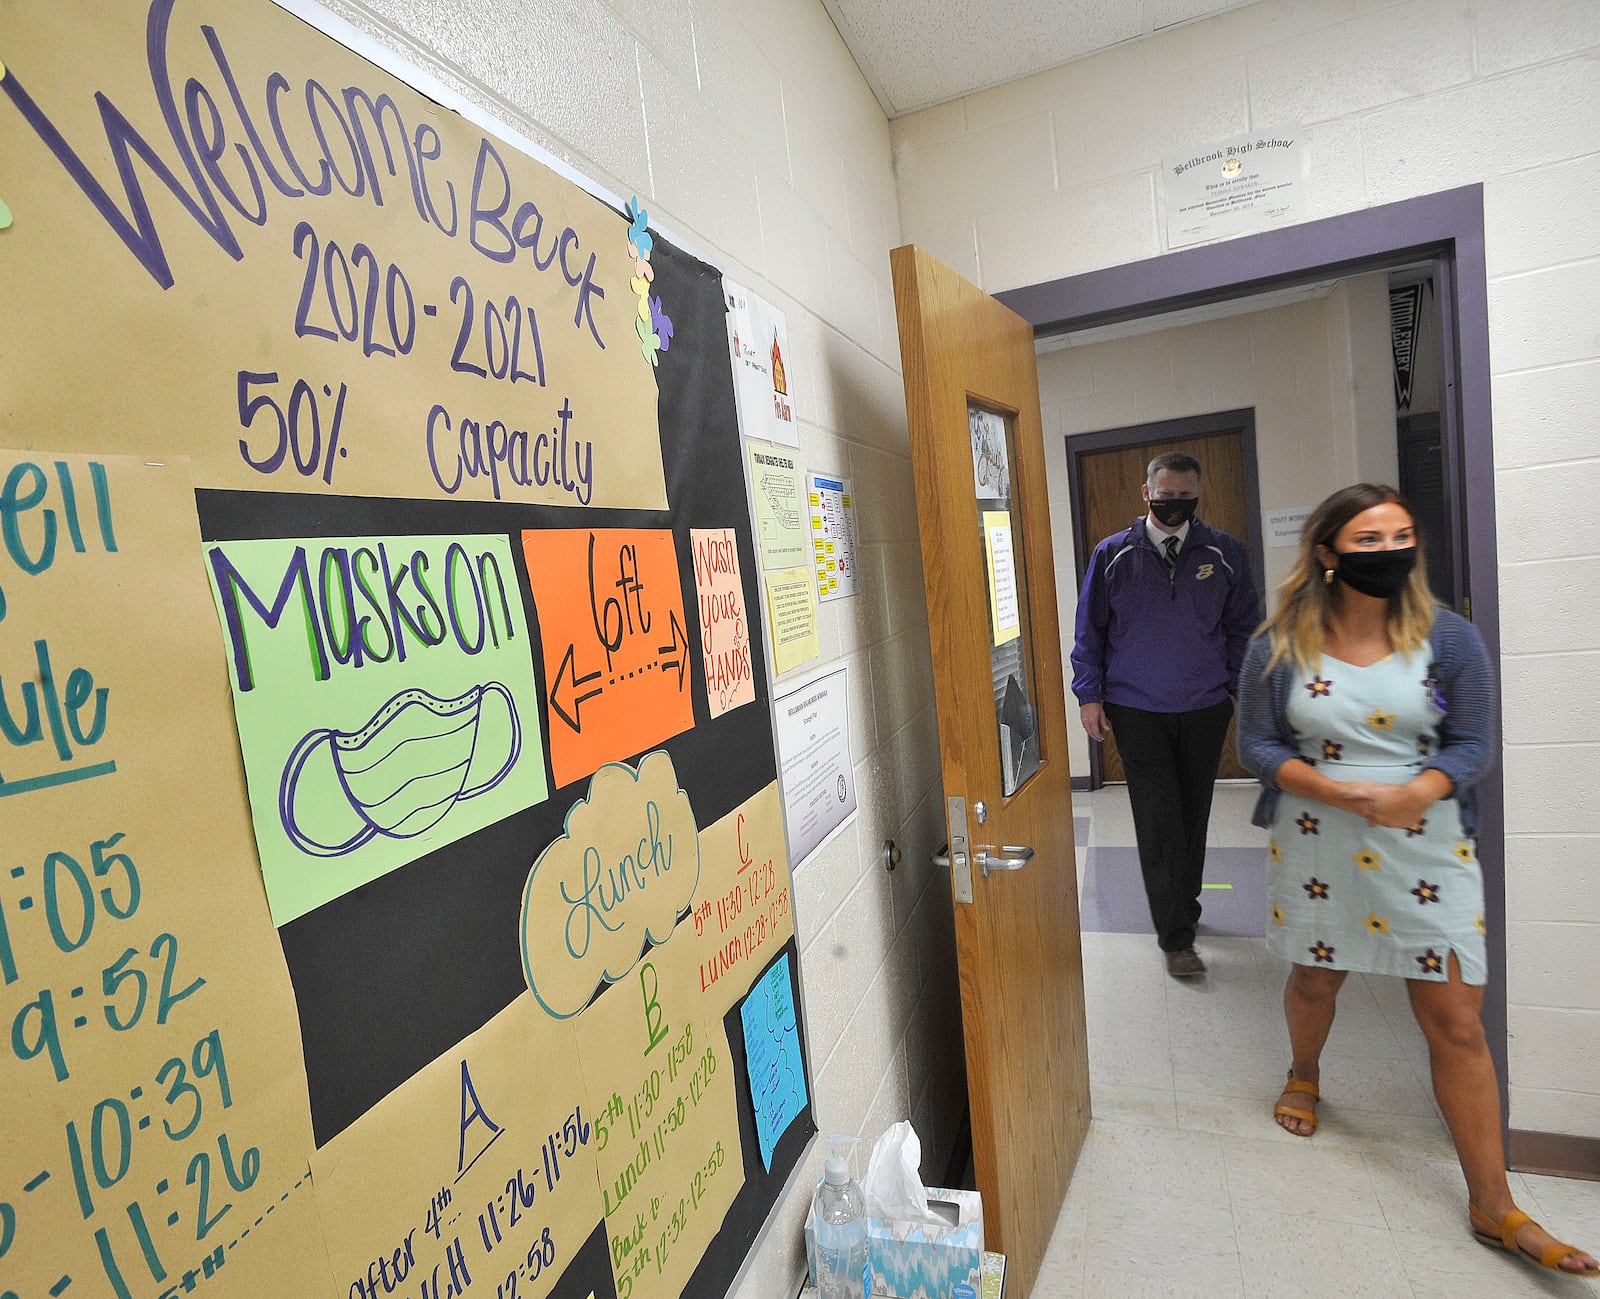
(1010, 857)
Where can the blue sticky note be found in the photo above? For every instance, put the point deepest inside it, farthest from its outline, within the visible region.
(772, 1056)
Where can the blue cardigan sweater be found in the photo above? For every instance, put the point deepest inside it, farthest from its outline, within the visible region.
(1466, 730)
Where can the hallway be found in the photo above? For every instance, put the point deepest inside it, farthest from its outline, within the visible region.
(1185, 1186)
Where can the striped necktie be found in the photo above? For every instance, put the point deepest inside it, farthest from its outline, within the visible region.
(1170, 545)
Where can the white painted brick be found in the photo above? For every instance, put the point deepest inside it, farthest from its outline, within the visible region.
(886, 499)
(1065, 234)
(953, 242)
(1117, 132)
(1549, 790)
(1246, 28)
(1526, 501)
(1490, 128)
(902, 562)
(1553, 965)
(552, 71)
(1529, 685)
(1545, 317)
(699, 168)
(737, 81)
(867, 224)
(796, 245)
(1335, 172)
(1175, 400)
(970, 174)
(1112, 409)
(1512, 35)
(664, 27)
(1542, 217)
(1367, 61)
(1550, 877)
(1548, 607)
(1109, 72)
(855, 294)
(1544, 416)
(816, 167)
(945, 121)
(824, 882)
(888, 329)
(1565, 1111)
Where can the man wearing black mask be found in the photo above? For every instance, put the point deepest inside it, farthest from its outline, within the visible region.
(1165, 614)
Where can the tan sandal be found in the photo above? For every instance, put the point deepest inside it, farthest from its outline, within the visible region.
(1284, 1110)
(1503, 1235)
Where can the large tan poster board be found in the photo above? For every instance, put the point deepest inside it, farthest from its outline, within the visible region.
(334, 284)
(156, 1122)
(396, 899)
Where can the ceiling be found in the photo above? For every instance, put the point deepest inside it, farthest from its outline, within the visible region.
(917, 53)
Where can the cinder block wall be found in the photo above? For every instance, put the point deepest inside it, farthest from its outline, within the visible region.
(750, 135)
(1058, 173)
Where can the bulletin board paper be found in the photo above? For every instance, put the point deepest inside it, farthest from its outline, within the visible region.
(412, 1070)
(406, 306)
(151, 1066)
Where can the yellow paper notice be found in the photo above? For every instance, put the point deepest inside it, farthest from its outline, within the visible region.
(1004, 611)
(777, 486)
(792, 617)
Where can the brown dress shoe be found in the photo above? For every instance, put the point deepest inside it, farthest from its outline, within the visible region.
(1185, 964)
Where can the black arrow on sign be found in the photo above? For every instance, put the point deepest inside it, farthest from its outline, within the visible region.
(569, 670)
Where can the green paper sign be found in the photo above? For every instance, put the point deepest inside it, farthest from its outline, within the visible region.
(385, 699)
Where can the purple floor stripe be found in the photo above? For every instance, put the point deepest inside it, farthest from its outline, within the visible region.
(1114, 901)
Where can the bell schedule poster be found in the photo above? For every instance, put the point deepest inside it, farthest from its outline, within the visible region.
(396, 899)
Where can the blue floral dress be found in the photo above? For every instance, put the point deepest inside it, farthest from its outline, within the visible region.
(1346, 895)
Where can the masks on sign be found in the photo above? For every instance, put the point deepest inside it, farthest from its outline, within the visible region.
(1378, 573)
(1174, 513)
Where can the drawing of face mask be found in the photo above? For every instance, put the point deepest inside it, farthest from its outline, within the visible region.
(402, 772)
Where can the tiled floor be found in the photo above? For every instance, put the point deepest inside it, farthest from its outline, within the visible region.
(1185, 1185)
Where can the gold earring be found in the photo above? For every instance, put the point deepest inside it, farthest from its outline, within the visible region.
(1327, 577)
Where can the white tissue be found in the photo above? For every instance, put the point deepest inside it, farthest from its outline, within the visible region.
(893, 1184)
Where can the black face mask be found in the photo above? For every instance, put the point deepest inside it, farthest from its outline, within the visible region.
(1174, 513)
(1378, 573)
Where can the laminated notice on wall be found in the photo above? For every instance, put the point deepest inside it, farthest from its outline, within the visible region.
(762, 379)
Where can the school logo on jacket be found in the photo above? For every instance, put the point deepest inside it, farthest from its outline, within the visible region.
(1205, 571)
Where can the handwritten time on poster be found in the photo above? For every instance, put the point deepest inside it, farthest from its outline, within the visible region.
(385, 699)
(616, 651)
(335, 284)
(154, 1138)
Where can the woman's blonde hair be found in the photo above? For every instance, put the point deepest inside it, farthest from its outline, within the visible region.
(1306, 598)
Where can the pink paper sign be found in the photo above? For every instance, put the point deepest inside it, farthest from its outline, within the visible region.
(724, 628)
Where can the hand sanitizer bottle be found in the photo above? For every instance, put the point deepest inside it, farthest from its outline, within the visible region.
(843, 1269)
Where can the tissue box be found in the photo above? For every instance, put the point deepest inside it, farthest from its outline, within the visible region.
(918, 1260)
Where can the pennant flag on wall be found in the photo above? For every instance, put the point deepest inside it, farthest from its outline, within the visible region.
(1405, 317)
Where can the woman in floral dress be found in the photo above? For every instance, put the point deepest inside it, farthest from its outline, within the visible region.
(1367, 713)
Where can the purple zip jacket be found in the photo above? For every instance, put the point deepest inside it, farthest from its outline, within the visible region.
(1165, 645)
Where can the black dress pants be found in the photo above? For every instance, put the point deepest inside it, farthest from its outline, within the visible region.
(1171, 763)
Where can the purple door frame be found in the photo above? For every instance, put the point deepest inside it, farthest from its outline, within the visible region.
(1446, 228)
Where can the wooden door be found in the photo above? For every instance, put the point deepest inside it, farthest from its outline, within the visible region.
(972, 399)
(1109, 483)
